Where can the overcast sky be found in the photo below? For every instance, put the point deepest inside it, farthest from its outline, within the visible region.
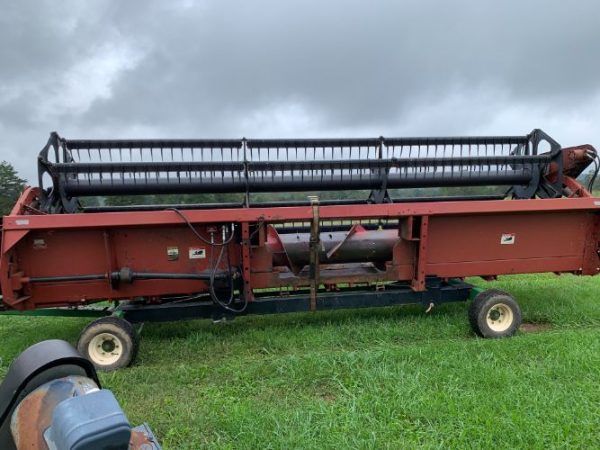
(227, 69)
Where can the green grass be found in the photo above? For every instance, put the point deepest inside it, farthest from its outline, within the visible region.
(377, 378)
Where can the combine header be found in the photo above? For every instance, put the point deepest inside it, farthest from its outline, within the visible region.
(180, 261)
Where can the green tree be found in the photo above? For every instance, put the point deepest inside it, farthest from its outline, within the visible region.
(11, 186)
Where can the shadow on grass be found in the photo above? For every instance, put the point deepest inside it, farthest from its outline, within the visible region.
(409, 314)
(262, 337)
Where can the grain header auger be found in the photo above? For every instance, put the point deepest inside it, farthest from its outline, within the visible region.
(178, 261)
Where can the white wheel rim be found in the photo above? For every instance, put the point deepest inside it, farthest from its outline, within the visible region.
(500, 317)
(105, 349)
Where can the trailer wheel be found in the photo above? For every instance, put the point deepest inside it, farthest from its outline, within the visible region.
(494, 314)
(110, 343)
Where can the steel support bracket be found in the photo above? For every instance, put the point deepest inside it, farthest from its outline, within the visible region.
(315, 247)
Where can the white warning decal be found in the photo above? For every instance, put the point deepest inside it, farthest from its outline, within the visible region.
(507, 239)
(197, 253)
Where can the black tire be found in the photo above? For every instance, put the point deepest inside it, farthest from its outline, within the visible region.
(494, 314)
(110, 343)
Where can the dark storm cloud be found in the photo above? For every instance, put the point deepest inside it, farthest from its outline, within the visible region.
(227, 69)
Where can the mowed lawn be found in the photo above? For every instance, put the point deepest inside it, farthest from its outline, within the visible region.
(376, 378)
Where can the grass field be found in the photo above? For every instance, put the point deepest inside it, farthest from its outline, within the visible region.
(377, 378)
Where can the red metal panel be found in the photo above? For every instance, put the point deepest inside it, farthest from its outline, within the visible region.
(286, 214)
(246, 262)
(79, 252)
(512, 243)
(74, 293)
(534, 235)
(418, 282)
(455, 239)
(505, 267)
(68, 252)
(591, 251)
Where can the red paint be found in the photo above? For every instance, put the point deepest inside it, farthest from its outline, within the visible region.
(445, 239)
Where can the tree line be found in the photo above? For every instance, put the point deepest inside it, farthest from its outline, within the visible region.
(11, 186)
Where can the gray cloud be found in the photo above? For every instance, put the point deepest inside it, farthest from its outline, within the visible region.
(303, 68)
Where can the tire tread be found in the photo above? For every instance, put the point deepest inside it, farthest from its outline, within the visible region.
(480, 301)
(127, 328)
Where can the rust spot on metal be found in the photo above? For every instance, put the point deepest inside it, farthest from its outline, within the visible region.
(139, 441)
(34, 415)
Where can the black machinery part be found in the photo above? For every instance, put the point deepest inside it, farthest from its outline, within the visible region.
(69, 169)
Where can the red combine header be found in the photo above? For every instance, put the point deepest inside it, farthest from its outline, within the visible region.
(181, 261)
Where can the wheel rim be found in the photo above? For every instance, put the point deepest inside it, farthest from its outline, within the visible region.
(105, 349)
(500, 317)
